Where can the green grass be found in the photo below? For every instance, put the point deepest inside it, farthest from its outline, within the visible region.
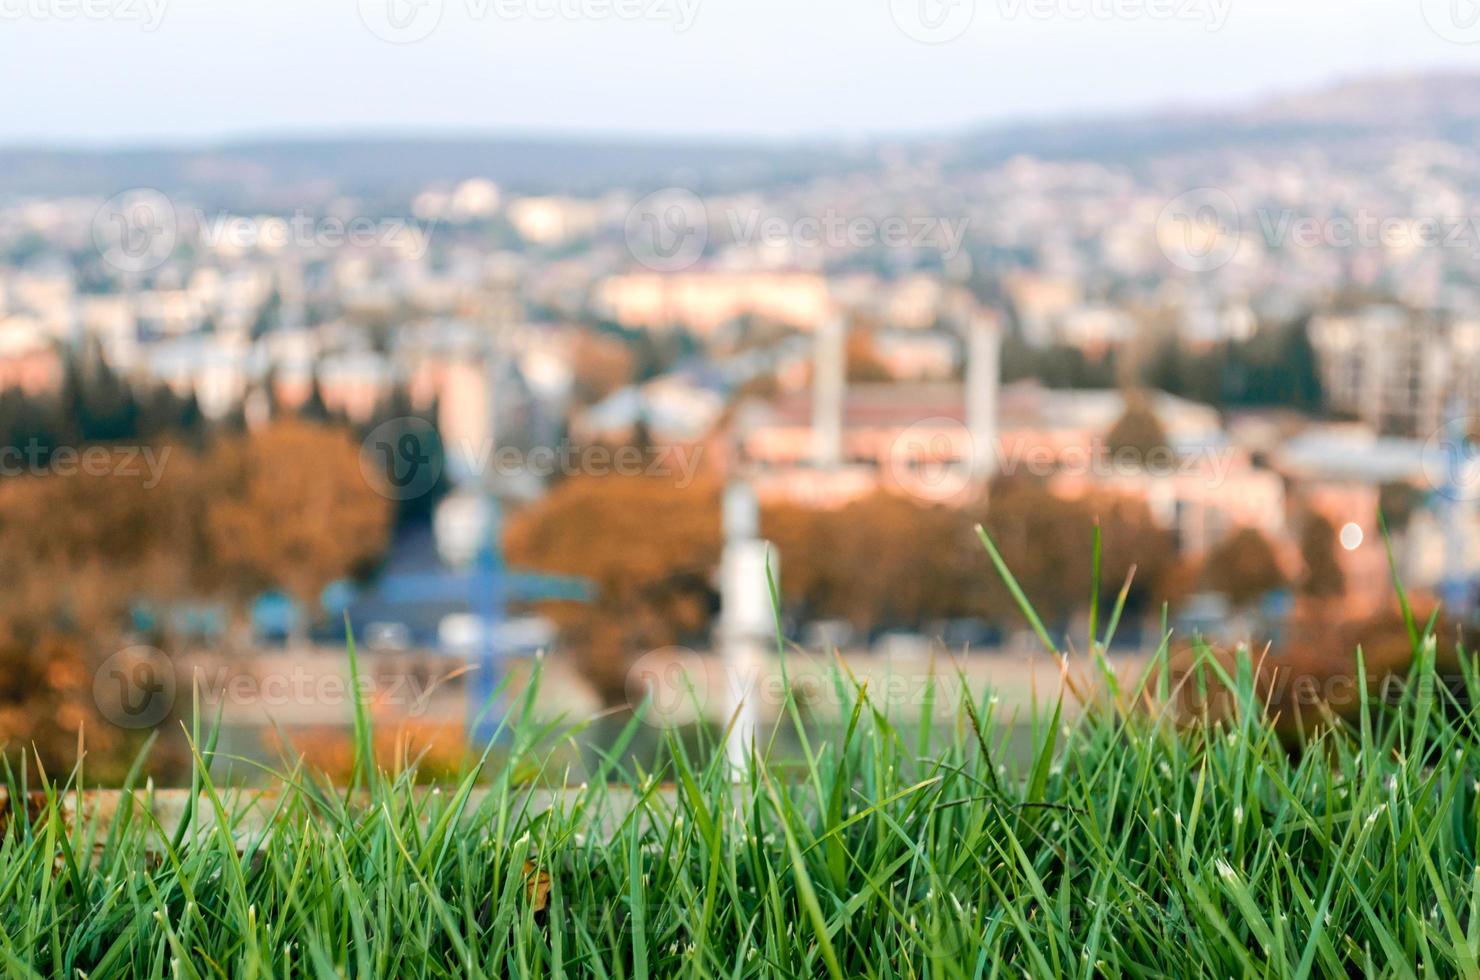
(1127, 845)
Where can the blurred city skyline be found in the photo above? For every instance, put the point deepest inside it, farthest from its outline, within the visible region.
(407, 317)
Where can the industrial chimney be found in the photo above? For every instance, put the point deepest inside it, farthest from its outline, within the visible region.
(983, 379)
(746, 618)
(829, 378)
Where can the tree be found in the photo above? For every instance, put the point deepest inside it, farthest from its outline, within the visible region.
(289, 508)
(98, 405)
(394, 409)
(1243, 566)
(1057, 365)
(865, 364)
(1323, 577)
(286, 507)
(77, 548)
(1138, 431)
(1397, 502)
(649, 547)
(1047, 542)
(269, 315)
(881, 561)
(78, 551)
(46, 699)
(1276, 366)
(313, 408)
(600, 364)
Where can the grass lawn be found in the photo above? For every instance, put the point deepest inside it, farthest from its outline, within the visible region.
(1126, 845)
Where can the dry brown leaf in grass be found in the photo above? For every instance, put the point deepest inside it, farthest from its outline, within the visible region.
(536, 885)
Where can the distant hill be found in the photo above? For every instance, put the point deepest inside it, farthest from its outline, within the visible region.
(1441, 99)
(394, 167)
(1345, 115)
(1341, 117)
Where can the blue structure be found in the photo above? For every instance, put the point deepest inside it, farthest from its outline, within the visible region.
(1457, 590)
(486, 589)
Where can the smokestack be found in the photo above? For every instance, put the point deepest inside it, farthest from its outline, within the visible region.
(829, 378)
(983, 378)
(746, 619)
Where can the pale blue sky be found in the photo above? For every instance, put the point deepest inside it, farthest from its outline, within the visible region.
(774, 68)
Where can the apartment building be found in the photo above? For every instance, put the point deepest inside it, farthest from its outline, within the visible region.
(1397, 370)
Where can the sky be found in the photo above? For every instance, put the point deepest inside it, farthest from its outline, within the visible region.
(117, 72)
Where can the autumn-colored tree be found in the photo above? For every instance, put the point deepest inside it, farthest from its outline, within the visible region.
(46, 698)
(865, 365)
(83, 544)
(289, 508)
(887, 560)
(116, 526)
(1243, 566)
(1309, 676)
(79, 547)
(1138, 550)
(1047, 542)
(884, 560)
(1323, 577)
(650, 549)
(599, 366)
(1138, 433)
